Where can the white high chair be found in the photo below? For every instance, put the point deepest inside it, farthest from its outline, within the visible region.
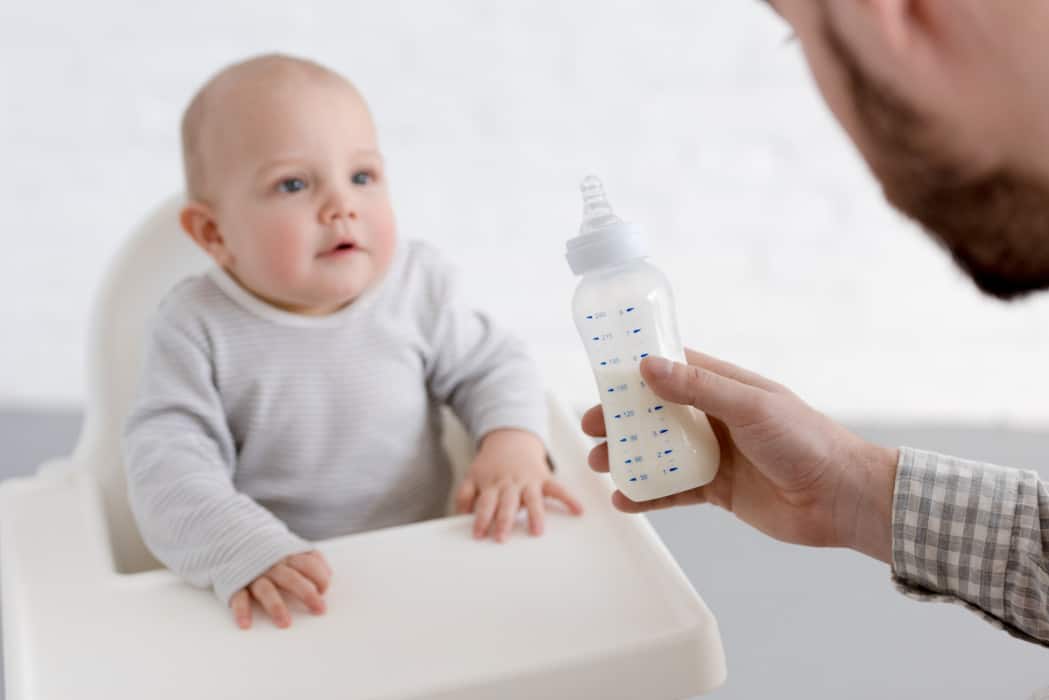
(595, 608)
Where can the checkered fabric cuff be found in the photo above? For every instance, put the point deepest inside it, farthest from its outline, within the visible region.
(974, 534)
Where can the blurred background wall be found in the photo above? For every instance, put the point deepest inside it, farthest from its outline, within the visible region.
(699, 116)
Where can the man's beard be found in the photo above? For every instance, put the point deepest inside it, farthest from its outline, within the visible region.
(995, 225)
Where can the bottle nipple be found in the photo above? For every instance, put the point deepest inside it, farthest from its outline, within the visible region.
(604, 239)
(597, 212)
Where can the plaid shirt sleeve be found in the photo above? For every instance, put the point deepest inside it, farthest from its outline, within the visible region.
(974, 534)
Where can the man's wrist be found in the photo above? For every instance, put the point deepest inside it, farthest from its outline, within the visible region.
(875, 471)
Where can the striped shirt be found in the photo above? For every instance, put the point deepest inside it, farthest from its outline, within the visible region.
(255, 430)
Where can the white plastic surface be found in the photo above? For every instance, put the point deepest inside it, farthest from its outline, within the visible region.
(596, 608)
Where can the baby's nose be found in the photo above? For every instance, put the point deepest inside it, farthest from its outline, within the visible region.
(339, 207)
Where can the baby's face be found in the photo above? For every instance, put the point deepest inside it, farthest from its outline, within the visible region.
(299, 194)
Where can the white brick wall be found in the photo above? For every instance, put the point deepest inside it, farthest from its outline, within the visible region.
(702, 121)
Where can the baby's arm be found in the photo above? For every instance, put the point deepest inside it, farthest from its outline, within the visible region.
(495, 388)
(180, 457)
(481, 371)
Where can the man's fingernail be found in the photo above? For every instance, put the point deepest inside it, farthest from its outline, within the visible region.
(659, 366)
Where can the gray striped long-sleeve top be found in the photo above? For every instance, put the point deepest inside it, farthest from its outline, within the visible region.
(975, 534)
(255, 430)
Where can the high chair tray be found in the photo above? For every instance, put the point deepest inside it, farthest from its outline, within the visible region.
(595, 608)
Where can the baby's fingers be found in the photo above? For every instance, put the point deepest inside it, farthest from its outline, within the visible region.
(314, 567)
(240, 604)
(291, 581)
(509, 504)
(271, 600)
(556, 490)
(485, 510)
(533, 500)
(465, 497)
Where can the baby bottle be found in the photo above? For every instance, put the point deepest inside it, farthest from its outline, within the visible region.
(624, 310)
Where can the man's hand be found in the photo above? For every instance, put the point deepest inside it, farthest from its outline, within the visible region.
(304, 576)
(785, 469)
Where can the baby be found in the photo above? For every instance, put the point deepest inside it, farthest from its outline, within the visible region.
(292, 392)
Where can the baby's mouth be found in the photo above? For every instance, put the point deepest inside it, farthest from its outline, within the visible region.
(340, 248)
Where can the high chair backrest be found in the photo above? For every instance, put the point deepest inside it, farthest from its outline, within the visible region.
(156, 256)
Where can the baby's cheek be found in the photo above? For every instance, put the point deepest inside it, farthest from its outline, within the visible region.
(288, 258)
(385, 235)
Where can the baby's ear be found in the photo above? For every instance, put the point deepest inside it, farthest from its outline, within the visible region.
(199, 222)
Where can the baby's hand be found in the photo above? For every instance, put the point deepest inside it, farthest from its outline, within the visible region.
(510, 469)
(304, 576)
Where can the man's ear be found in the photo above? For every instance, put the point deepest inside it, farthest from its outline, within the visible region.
(893, 19)
(199, 222)
(902, 42)
(910, 26)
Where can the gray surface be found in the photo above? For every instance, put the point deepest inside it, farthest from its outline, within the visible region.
(801, 622)
(27, 439)
(796, 622)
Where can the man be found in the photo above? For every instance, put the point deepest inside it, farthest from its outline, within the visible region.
(948, 102)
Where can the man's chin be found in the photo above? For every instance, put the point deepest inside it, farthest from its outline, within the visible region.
(1001, 283)
(996, 229)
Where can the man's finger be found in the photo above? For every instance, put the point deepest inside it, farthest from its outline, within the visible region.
(598, 458)
(730, 400)
(727, 369)
(240, 604)
(685, 498)
(594, 421)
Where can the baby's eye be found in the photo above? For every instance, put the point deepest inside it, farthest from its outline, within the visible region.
(362, 177)
(291, 184)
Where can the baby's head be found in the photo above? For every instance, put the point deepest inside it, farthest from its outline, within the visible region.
(286, 185)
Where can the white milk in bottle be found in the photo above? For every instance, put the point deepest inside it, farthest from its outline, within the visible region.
(624, 310)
